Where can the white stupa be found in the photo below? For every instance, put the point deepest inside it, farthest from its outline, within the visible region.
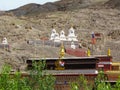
(62, 36)
(52, 37)
(73, 45)
(71, 35)
(57, 38)
(5, 42)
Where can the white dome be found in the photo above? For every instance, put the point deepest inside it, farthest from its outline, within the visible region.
(62, 36)
(53, 31)
(62, 33)
(57, 38)
(71, 30)
(53, 34)
(4, 41)
(71, 35)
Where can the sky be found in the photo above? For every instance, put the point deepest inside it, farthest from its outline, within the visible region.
(12, 4)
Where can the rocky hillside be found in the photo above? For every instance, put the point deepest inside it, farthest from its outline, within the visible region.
(113, 4)
(36, 21)
(33, 8)
(2, 12)
(63, 5)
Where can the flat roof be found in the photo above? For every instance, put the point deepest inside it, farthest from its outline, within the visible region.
(113, 72)
(66, 72)
(101, 56)
(37, 58)
(116, 63)
(71, 72)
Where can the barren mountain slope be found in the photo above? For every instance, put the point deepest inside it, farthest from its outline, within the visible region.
(113, 4)
(18, 31)
(62, 5)
(39, 25)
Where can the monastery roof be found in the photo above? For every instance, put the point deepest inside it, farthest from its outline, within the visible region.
(66, 72)
(37, 58)
(71, 72)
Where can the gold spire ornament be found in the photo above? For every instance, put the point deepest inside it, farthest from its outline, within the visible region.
(109, 52)
(62, 51)
(60, 63)
(88, 53)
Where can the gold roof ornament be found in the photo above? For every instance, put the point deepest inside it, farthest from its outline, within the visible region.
(109, 52)
(88, 53)
(62, 51)
(60, 63)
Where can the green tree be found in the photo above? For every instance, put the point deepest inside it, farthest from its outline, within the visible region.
(5, 77)
(100, 82)
(117, 85)
(38, 78)
(81, 84)
(11, 82)
(74, 86)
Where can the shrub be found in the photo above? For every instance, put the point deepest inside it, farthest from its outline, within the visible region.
(100, 82)
(81, 84)
(37, 79)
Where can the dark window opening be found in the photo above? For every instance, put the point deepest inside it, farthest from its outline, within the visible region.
(74, 66)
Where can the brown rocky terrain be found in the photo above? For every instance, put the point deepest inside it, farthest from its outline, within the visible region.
(113, 4)
(33, 22)
(62, 5)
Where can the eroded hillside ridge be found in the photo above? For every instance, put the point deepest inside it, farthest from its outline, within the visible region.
(62, 5)
(113, 4)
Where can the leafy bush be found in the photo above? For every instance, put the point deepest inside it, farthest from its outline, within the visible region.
(117, 85)
(11, 82)
(81, 84)
(100, 83)
(37, 79)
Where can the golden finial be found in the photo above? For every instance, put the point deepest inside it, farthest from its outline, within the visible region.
(109, 52)
(62, 51)
(60, 63)
(88, 53)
